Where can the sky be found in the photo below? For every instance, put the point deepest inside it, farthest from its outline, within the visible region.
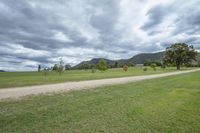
(34, 32)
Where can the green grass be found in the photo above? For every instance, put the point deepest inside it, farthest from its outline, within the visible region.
(165, 105)
(16, 79)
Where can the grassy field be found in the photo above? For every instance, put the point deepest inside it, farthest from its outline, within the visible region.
(170, 104)
(15, 79)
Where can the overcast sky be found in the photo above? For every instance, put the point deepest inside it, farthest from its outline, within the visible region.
(36, 32)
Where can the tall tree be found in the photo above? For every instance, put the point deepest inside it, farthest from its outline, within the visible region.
(116, 64)
(39, 68)
(61, 66)
(93, 67)
(55, 67)
(153, 66)
(102, 65)
(179, 54)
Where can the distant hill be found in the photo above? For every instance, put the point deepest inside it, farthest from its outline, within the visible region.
(2, 71)
(95, 62)
(146, 57)
(137, 59)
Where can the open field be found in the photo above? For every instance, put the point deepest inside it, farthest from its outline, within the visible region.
(170, 104)
(18, 92)
(16, 79)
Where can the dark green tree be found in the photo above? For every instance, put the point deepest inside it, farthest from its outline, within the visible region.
(39, 68)
(55, 67)
(85, 66)
(116, 64)
(179, 54)
(68, 67)
(102, 65)
(130, 64)
(153, 66)
(93, 68)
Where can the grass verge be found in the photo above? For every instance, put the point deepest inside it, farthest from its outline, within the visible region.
(17, 79)
(170, 104)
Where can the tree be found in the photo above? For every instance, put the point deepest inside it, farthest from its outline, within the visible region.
(68, 67)
(39, 68)
(102, 65)
(86, 66)
(55, 67)
(45, 72)
(153, 65)
(130, 64)
(163, 66)
(93, 67)
(116, 64)
(179, 54)
(148, 63)
(61, 66)
(145, 69)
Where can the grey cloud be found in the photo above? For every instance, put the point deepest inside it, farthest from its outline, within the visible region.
(156, 16)
(189, 23)
(86, 28)
(187, 17)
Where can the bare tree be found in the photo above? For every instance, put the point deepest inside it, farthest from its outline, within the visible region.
(61, 66)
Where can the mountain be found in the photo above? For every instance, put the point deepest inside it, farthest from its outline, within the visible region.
(137, 59)
(146, 57)
(2, 71)
(94, 61)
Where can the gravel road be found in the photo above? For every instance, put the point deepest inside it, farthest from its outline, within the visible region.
(17, 92)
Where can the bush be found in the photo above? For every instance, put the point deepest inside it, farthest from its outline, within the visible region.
(153, 65)
(148, 63)
(93, 70)
(125, 68)
(102, 65)
(163, 67)
(145, 69)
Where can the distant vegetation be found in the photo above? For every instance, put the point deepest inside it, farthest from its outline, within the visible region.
(147, 59)
(153, 66)
(170, 57)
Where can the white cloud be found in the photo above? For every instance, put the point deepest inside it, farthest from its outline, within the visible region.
(62, 37)
(17, 49)
(78, 30)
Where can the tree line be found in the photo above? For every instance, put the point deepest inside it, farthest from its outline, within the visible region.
(178, 54)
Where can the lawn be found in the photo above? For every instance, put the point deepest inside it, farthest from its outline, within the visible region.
(16, 79)
(170, 104)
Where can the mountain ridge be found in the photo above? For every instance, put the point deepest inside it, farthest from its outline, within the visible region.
(141, 58)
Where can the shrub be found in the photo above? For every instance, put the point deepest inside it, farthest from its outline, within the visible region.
(93, 70)
(102, 65)
(145, 69)
(153, 65)
(163, 66)
(125, 68)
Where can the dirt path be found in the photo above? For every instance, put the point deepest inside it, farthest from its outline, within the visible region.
(17, 92)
